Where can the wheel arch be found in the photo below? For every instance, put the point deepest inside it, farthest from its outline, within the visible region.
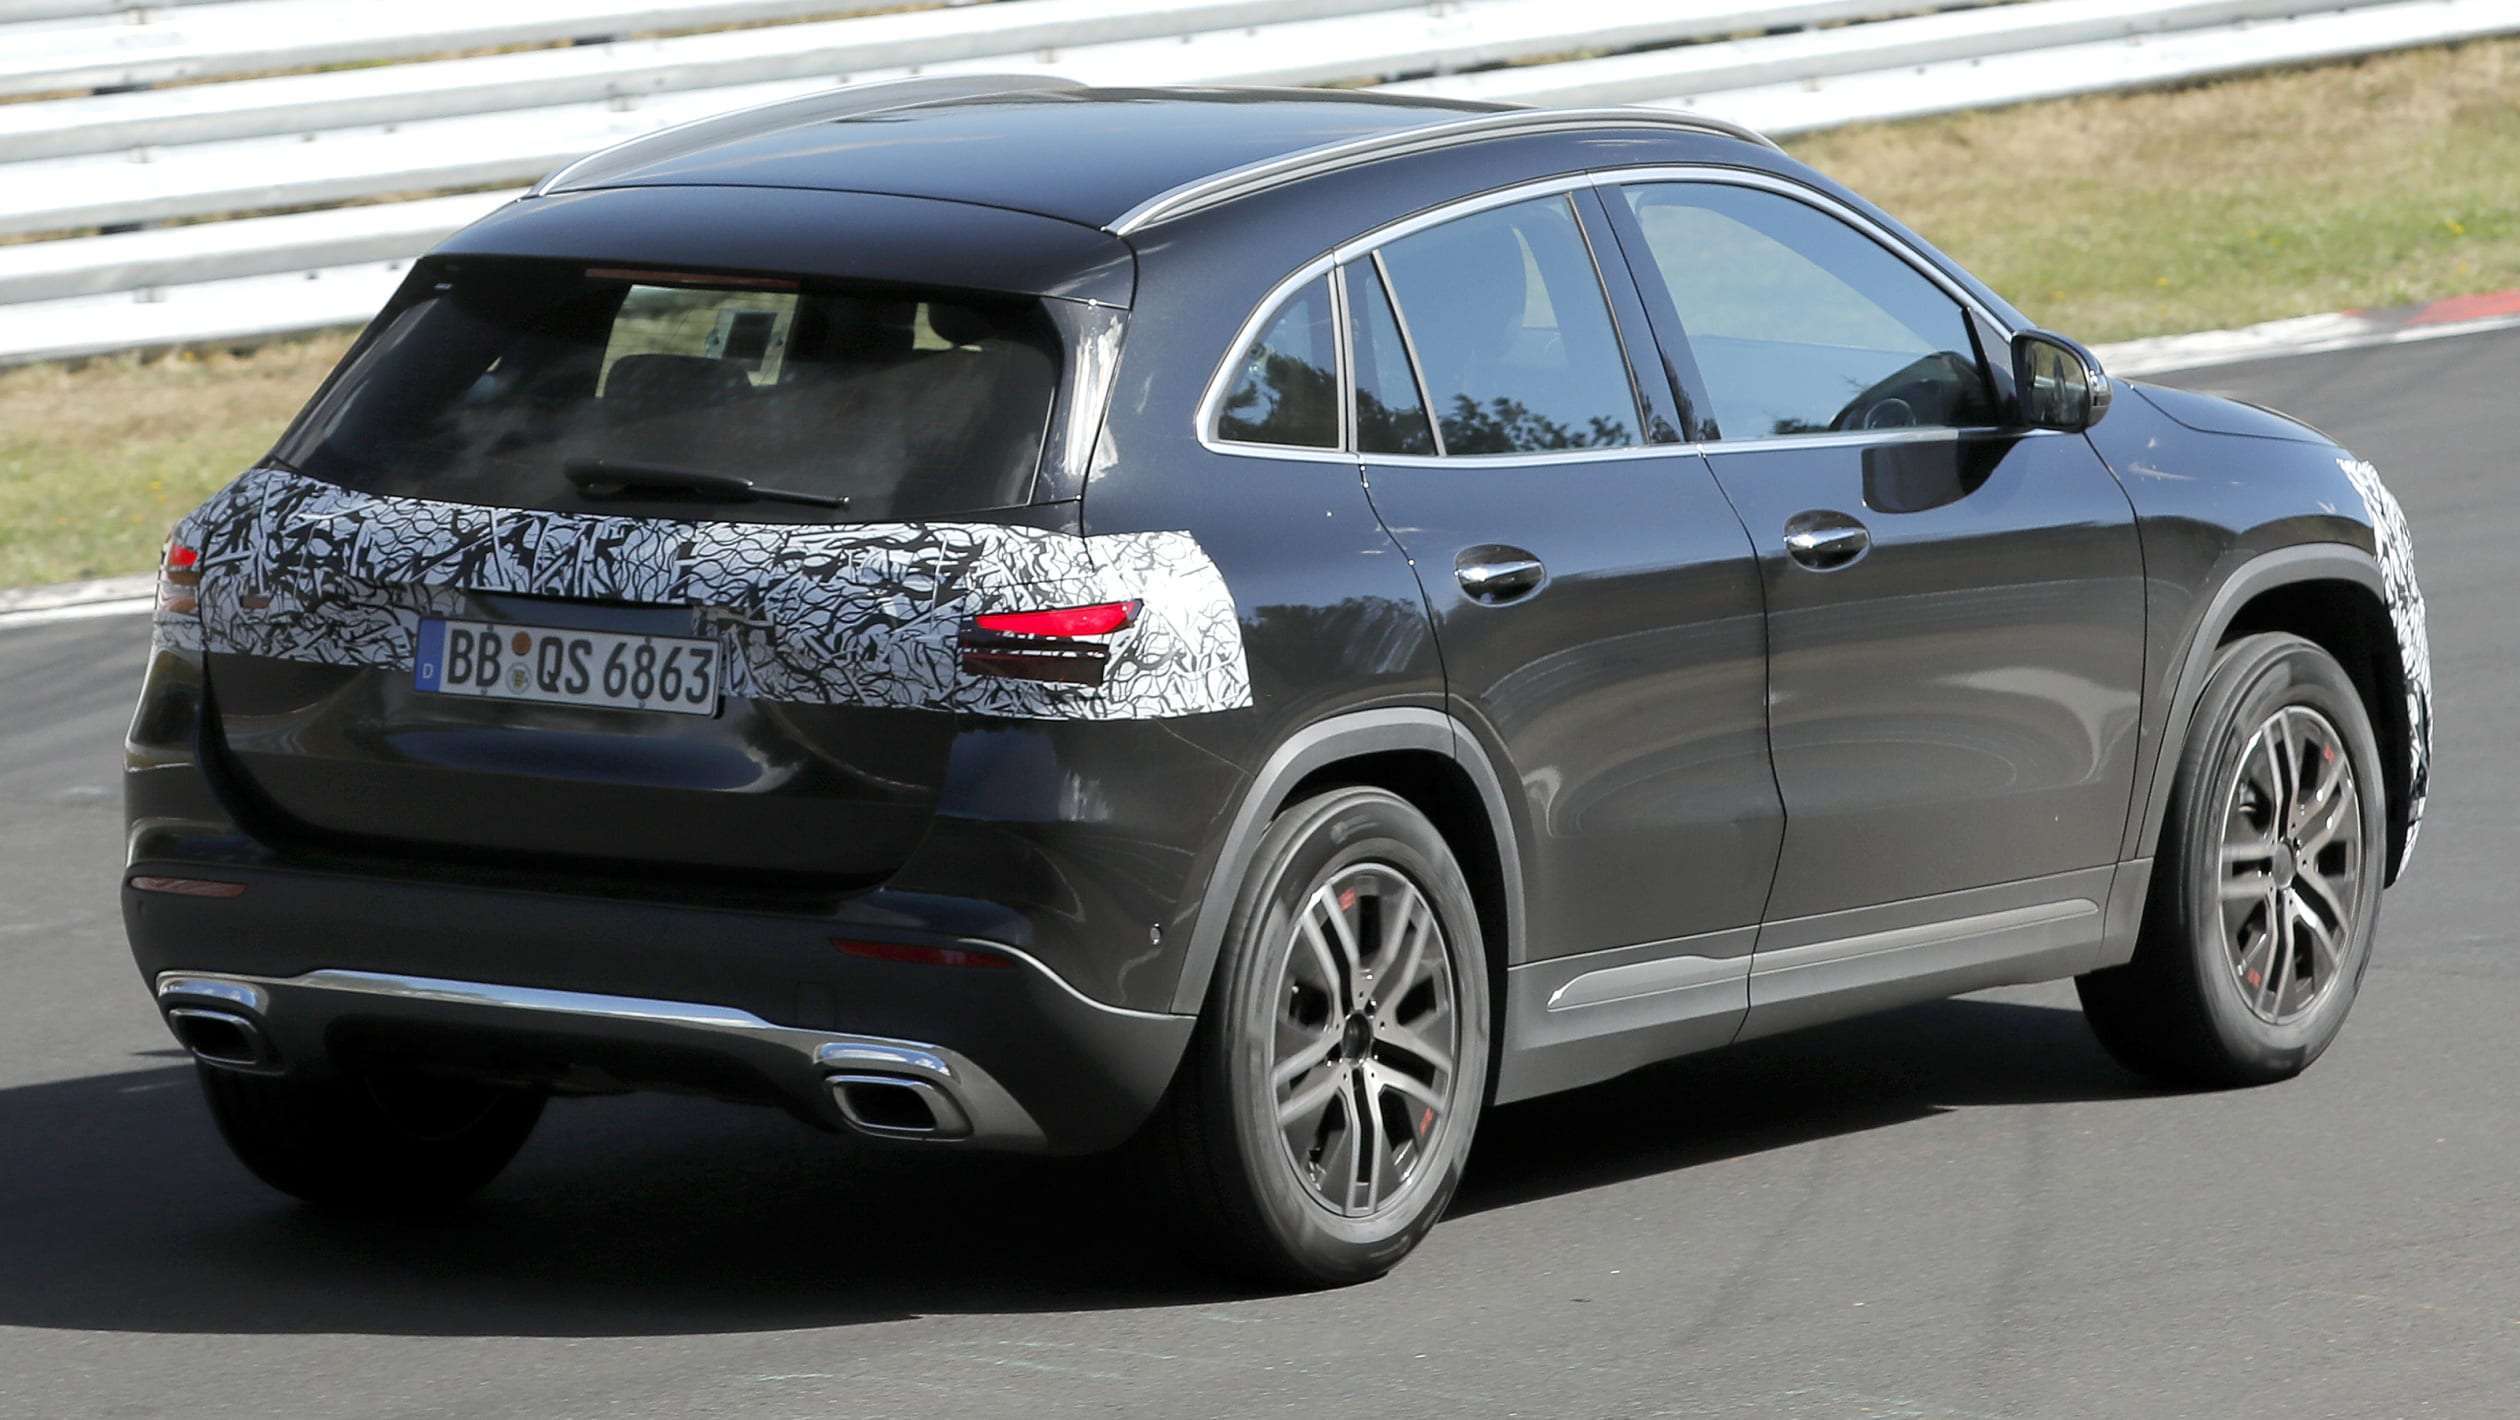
(1423, 755)
(2332, 595)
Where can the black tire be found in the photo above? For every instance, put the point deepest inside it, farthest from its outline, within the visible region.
(2177, 1011)
(379, 1143)
(1232, 1176)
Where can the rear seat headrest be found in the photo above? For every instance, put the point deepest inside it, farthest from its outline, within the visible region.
(675, 381)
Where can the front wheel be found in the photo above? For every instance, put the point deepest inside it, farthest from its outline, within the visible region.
(1320, 1125)
(371, 1142)
(2266, 890)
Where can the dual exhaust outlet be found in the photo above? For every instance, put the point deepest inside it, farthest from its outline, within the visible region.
(884, 1106)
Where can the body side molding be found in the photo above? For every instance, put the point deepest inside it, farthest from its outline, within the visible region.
(1317, 746)
(1571, 1021)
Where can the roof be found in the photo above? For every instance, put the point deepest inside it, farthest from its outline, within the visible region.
(1084, 155)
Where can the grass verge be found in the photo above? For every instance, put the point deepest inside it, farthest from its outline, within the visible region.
(2376, 183)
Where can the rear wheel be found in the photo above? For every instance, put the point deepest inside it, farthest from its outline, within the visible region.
(1320, 1125)
(2266, 893)
(384, 1142)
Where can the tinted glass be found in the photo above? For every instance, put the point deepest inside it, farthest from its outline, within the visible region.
(1512, 332)
(1288, 391)
(1802, 324)
(1390, 417)
(488, 384)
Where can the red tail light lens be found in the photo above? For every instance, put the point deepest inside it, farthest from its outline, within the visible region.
(179, 578)
(923, 956)
(1055, 644)
(1100, 620)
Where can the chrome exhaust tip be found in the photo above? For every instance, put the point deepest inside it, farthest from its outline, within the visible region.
(894, 1107)
(221, 1037)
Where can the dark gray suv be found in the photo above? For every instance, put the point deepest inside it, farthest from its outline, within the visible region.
(1249, 625)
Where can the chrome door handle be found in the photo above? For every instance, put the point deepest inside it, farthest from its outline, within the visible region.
(1825, 541)
(1498, 578)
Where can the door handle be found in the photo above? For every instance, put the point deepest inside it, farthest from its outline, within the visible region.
(1825, 541)
(1499, 574)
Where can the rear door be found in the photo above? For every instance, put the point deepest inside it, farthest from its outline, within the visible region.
(1593, 596)
(627, 572)
(1955, 610)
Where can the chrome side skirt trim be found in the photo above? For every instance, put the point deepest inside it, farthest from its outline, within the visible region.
(1959, 931)
(1573, 1020)
(1824, 968)
(1645, 978)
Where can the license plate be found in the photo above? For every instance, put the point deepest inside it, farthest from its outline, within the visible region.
(506, 662)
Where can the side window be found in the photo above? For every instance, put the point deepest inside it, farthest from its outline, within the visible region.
(1800, 323)
(1513, 333)
(1287, 390)
(1390, 416)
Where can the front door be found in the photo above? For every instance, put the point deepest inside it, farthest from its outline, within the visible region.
(1955, 612)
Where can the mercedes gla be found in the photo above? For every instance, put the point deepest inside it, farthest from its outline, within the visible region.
(996, 615)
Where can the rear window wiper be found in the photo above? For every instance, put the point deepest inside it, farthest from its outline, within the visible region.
(605, 478)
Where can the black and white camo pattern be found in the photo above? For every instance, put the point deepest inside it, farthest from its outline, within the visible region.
(2396, 548)
(862, 614)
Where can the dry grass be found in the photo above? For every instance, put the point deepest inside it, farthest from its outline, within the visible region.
(98, 460)
(2369, 184)
(2392, 180)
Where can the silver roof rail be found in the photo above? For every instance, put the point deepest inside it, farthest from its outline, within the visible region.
(848, 101)
(1235, 183)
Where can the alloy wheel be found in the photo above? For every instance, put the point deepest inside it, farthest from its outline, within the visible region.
(1367, 1033)
(2291, 864)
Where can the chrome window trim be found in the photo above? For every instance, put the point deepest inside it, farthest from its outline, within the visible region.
(1370, 244)
(1612, 178)
(1343, 356)
(1212, 404)
(1470, 206)
(1408, 352)
(1217, 189)
(1810, 197)
(1535, 456)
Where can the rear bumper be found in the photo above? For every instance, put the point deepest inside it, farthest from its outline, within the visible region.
(289, 1021)
(587, 994)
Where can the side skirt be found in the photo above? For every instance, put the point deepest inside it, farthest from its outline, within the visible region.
(1572, 1021)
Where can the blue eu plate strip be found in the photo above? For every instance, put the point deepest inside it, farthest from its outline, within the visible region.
(427, 672)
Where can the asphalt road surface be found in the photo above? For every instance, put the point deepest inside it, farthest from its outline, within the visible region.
(1958, 1210)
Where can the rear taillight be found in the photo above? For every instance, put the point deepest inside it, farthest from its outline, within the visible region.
(179, 580)
(923, 956)
(1059, 644)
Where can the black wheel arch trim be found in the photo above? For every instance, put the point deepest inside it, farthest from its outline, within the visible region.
(2287, 566)
(1320, 745)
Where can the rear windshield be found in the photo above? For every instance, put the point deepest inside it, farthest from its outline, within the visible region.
(529, 384)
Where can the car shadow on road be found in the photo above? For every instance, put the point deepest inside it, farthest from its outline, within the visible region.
(120, 1211)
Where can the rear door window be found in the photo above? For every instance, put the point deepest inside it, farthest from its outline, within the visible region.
(1390, 414)
(490, 383)
(1513, 333)
(1286, 388)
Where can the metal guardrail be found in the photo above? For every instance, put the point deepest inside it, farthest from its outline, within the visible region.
(308, 140)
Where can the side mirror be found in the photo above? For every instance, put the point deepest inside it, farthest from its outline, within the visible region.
(2057, 383)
